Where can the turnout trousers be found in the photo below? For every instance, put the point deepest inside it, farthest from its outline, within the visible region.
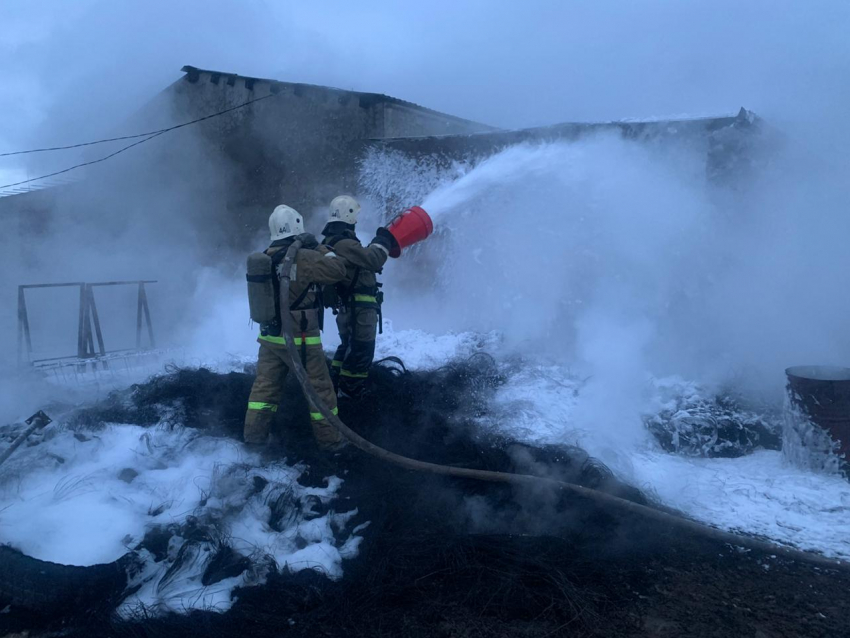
(358, 326)
(273, 364)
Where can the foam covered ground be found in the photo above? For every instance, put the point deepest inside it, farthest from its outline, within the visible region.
(88, 497)
(759, 494)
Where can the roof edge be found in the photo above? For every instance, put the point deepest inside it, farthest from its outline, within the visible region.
(193, 75)
(743, 117)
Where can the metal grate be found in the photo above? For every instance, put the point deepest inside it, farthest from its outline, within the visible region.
(88, 329)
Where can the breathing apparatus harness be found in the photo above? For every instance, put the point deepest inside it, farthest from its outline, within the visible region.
(338, 297)
(274, 327)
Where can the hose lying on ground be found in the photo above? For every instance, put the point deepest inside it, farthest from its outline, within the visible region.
(515, 479)
(35, 422)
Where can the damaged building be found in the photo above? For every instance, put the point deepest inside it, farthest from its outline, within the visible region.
(302, 144)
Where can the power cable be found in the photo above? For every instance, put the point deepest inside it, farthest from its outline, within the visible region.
(137, 135)
(147, 136)
(65, 148)
(97, 161)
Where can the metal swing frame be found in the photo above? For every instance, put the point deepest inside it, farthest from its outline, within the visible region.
(88, 327)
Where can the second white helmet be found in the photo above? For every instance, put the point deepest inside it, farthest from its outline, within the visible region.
(285, 222)
(344, 209)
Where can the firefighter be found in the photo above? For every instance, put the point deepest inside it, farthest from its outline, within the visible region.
(314, 266)
(357, 301)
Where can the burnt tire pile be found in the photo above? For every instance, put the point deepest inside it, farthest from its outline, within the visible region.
(446, 557)
(714, 427)
(62, 589)
(430, 415)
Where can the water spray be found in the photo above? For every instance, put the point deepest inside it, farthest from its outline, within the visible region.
(410, 220)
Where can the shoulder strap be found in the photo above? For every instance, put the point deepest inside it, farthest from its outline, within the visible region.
(277, 258)
(353, 285)
(294, 305)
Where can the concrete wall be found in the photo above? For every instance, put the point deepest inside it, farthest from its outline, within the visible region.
(289, 148)
(298, 146)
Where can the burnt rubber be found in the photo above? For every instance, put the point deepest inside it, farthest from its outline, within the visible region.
(37, 584)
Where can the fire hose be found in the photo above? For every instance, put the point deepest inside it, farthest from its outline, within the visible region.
(523, 480)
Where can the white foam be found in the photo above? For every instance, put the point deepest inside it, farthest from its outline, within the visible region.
(757, 494)
(90, 501)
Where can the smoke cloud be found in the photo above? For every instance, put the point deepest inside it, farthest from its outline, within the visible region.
(617, 256)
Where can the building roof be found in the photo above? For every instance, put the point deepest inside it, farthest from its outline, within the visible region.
(193, 75)
(629, 127)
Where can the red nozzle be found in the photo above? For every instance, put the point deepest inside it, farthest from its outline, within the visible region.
(411, 226)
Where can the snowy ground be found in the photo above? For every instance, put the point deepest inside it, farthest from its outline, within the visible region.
(129, 479)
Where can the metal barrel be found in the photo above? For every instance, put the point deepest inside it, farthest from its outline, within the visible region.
(823, 393)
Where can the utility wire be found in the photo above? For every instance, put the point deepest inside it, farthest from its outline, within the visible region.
(65, 148)
(97, 161)
(147, 136)
(137, 135)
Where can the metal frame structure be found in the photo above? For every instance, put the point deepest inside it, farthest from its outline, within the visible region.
(88, 327)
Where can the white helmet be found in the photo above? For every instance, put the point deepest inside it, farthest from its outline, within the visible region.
(344, 209)
(285, 222)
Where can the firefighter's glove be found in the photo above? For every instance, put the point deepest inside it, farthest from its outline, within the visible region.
(385, 238)
(308, 240)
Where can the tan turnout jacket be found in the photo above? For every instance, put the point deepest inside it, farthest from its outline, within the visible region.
(311, 268)
(369, 259)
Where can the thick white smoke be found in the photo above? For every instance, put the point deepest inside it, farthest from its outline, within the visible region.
(624, 260)
(612, 256)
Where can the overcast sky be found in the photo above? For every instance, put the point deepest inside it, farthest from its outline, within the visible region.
(72, 68)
